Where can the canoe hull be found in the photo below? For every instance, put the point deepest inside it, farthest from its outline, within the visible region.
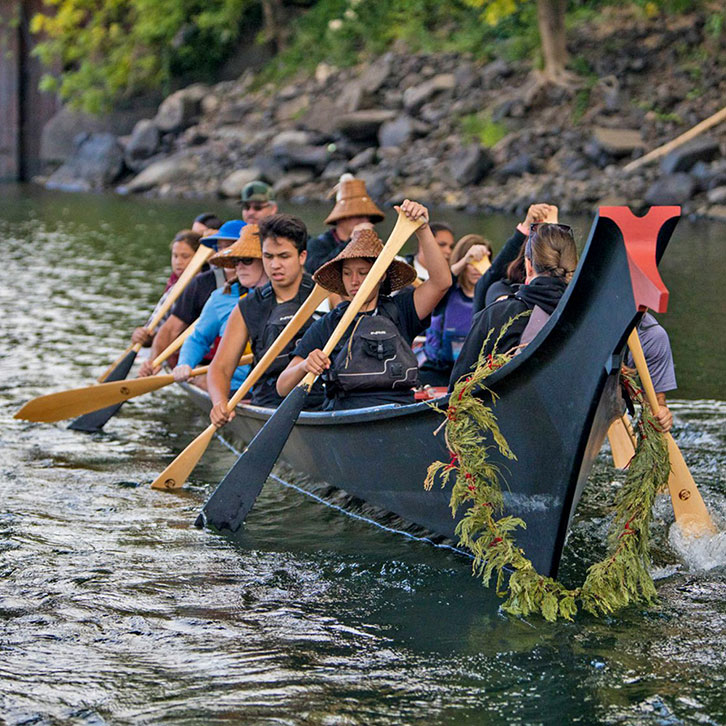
(555, 402)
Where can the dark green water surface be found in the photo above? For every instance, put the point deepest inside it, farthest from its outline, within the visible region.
(115, 610)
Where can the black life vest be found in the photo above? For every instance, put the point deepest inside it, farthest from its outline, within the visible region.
(375, 357)
(265, 319)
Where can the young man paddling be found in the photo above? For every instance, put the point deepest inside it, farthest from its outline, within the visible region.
(373, 363)
(245, 258)
(262, 315)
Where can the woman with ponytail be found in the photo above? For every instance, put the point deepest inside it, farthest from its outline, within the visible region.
(550, 258)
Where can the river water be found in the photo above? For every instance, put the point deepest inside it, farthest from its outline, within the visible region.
(115, 610)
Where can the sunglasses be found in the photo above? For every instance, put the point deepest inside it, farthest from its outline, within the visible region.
(256, 206)
(246, 261)
(535, 226)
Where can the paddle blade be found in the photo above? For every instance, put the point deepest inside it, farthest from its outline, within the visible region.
(179, 470)
(688, 505)
(66, 404)
(621, 443)
(232, 500)
(92, 422)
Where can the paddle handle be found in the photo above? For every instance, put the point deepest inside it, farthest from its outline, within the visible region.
(403, 229)
(201, 370)
(202, 254)
(174, 346)
(304, 312)
(639, 357)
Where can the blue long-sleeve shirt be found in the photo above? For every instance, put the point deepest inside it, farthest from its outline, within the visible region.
(212, 323)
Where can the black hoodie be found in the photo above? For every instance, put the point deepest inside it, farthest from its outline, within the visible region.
(543, 291)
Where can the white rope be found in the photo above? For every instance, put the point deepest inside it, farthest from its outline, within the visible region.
(350, 514)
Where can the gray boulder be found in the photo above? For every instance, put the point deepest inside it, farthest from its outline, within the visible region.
(416, 96)
(234, 183)
(396, 132)
(334, 170)
(376, 183)
(618, 142)
(717, 195)
(367, 157)
(375, 75)
(292, 156)
(180, 110)
(58, 140)
(470, 165)
(97, 162)
(172, 169)
(363, 125)
(671, 189)
(522, 164)
(143, 144)
(286, 185)
(684, 157)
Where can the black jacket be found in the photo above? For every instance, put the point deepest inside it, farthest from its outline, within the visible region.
(543, 291)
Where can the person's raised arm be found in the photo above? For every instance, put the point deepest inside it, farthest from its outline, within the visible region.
(428, 294)
(223, 366)
(475, 253)
(536, 213)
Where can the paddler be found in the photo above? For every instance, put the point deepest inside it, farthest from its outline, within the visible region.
(261, 316)
(550, 259)
(245, 258)
(352, 207)
(183, 247)
(191, 302)
(373, 364)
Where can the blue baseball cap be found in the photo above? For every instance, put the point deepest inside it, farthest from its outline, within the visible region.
(229, 230)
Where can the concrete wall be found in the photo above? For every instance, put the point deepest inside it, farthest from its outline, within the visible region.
(23, 109)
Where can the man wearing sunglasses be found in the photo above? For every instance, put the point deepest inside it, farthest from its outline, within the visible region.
(258, 201)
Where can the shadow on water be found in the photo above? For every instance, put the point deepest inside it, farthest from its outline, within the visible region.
(115, 609)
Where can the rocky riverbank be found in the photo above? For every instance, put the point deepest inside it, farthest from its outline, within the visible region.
(445, 130)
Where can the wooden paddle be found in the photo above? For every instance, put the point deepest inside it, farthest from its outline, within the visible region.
(622, 442)
(688, 505)
(96, 420)
(233, 498)
(202, 254)
(179, 470)
(77, 401)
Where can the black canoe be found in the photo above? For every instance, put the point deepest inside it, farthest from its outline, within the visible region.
(556, 401)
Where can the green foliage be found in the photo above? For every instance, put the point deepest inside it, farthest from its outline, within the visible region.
(480, 127)
(342, 32)
(621, 579)
(108, 49)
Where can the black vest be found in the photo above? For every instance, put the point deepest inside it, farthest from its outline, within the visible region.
(265, 319)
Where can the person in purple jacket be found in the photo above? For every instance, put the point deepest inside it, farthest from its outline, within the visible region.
(451, 320)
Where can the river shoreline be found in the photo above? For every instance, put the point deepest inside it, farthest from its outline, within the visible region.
(442, 128)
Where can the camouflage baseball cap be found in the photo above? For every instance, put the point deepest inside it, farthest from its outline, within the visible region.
(257, 191)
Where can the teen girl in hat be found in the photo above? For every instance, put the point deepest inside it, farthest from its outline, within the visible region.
(373, 364)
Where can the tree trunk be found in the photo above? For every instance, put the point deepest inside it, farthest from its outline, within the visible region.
(275, 30)
(551, 21)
